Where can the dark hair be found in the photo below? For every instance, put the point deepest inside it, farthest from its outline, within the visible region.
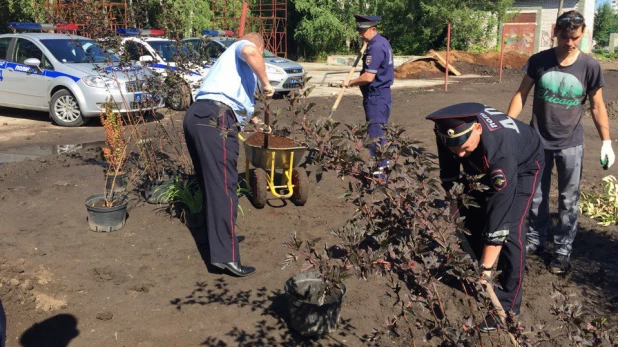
(569, 22)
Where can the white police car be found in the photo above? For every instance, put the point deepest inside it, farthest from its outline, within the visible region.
(283, 74)
(161, 55)
(70, 76)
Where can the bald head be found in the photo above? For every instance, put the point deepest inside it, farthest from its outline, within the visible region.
(254, 38)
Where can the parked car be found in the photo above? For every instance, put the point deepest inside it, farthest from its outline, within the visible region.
(284, 75)
(161, 55)
(70, 76)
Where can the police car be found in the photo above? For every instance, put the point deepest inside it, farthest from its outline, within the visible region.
(283, 74)
(70, 76)
(160, 55)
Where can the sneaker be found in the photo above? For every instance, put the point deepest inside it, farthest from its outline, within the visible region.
(490, 324)
(534, 248)
(560, 264)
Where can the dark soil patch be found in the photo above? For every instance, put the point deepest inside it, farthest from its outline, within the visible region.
(152, 276)
(258, 139)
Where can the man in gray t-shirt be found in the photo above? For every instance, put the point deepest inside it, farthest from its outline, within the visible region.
(564, 78)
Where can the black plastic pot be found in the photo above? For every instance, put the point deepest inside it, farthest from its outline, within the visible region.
(122, 181)
(154, 191)
(194, 220)
(307, 315)
(106, 219)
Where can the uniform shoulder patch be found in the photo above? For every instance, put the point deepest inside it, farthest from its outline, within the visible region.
(368, 60)
(498, 179)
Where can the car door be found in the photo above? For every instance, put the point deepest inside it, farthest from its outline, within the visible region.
(4, 87)
(29, 86)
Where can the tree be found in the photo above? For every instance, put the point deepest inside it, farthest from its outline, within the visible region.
(605, 21)
(15, 11)
(411, 26)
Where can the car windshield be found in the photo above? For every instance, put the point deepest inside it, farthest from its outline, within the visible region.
(79, 51)
(165, 49)
(268, 54)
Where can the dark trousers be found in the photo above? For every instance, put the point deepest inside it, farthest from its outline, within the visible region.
(377, 111)
(2, 326)
(512, 259)
(211, 134)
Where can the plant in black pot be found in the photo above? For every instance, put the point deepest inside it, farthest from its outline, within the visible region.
(315, 295)
(107, 211)
(185, 197)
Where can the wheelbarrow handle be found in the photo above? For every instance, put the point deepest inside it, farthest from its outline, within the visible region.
(358, 58)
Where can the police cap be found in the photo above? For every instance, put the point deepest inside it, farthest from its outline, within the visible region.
(366, 22)
(453, 124)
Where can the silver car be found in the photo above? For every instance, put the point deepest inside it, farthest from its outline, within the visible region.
(70, 76)
(283, 74)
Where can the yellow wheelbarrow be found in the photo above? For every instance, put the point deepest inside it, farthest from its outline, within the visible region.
(266, 161)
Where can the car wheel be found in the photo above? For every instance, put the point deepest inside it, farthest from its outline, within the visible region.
(180, 98)
(64, 110)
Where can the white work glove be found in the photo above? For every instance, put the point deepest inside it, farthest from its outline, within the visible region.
(268, 90)
(607, 154)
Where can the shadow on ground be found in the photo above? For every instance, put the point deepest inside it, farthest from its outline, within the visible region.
(270, 331)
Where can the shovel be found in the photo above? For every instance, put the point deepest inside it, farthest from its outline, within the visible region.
(358, 57)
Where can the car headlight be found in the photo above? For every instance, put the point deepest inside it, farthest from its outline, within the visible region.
(274, 69)
(100, 82)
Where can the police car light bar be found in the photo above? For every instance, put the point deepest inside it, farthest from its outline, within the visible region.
(41, 26)
(128, 32)
(217, 33)
(136, 32)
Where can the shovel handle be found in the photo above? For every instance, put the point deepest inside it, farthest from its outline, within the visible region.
(358, 57)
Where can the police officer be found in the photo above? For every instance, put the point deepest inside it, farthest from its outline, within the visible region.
(509, 154)
(225, 99)
(375, 80)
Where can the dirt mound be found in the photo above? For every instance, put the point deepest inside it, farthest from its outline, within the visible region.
(466, 62)
(419, 69)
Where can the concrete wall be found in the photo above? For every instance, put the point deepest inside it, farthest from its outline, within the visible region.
(613, 42)
(349, 59)
(547, 12)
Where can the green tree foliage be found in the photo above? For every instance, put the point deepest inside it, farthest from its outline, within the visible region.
(412, 26)
(180, 18)
(15, 11)
(605, 21)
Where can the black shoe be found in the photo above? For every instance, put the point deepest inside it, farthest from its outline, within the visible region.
(560, 264)
(235, 268)
(490, 324)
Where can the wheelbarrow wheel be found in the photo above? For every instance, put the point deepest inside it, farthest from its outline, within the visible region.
(301, 186)
(259, 187)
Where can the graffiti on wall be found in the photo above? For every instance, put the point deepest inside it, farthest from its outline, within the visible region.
(520, 38)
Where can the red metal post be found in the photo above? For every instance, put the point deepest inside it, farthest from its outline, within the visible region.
(502, 52)
(243, 18)
(448, 52)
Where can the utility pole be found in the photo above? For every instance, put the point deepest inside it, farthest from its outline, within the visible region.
(560, 7)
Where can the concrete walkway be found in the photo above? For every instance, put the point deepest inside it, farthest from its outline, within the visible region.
(317, 71)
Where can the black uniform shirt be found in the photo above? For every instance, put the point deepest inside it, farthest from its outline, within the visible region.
(507, 148)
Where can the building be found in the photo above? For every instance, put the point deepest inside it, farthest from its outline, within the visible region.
(531, 30)
(615, 5)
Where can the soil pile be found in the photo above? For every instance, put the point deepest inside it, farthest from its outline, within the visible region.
(259, 140)
(466, 62)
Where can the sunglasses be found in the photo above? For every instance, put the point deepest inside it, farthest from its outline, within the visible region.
(566, 20)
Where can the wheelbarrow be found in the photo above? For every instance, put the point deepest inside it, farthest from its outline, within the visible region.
(267, 162)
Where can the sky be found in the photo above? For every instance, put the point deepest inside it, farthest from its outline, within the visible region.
(601, 2)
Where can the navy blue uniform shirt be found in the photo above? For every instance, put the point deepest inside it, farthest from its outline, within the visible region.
(507, 149)
(378, 59)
